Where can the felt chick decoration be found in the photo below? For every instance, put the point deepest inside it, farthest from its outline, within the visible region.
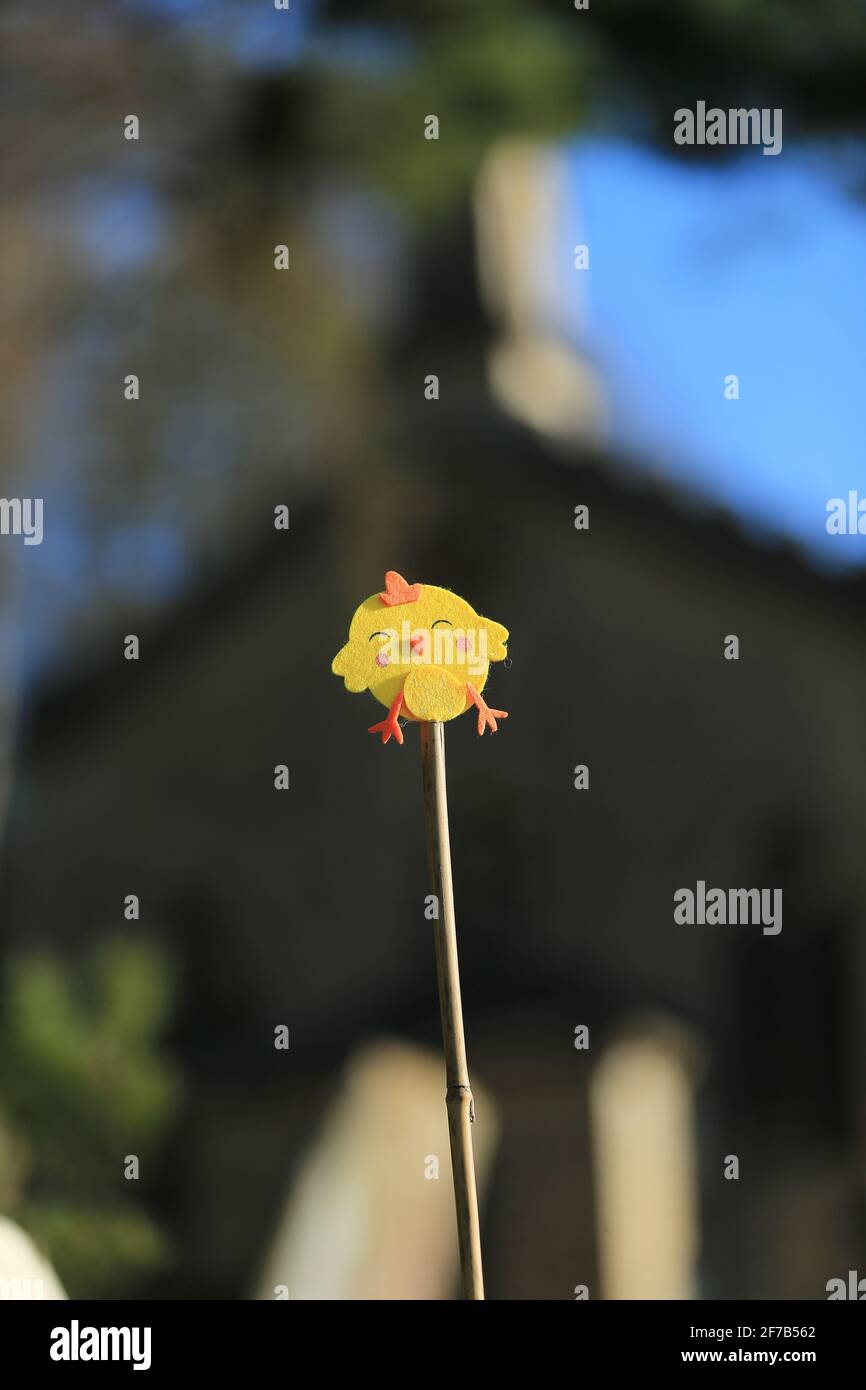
(423, 652)
(426, 653)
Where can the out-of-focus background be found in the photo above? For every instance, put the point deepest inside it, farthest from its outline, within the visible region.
(220, 1071)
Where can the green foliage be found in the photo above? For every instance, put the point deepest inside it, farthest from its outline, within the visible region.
(82, 1087)
(97, 1251)
(492, 68)
(491, 71)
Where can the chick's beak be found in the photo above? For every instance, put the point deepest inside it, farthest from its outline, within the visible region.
(416, 642)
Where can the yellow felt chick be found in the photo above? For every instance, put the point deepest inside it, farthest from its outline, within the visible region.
(423, 652)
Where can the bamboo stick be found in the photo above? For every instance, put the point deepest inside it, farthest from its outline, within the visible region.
(458, 1095)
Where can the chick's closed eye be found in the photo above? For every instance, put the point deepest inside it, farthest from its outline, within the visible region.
(383, 655)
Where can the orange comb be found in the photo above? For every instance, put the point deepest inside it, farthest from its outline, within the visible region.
(398, 591)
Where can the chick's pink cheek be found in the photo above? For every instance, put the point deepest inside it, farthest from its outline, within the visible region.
(382, 658)
(460, 644)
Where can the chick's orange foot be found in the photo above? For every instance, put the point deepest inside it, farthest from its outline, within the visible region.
(388, 726)
(487, 717)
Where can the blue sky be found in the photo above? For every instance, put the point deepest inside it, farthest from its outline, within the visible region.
(755, 267)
